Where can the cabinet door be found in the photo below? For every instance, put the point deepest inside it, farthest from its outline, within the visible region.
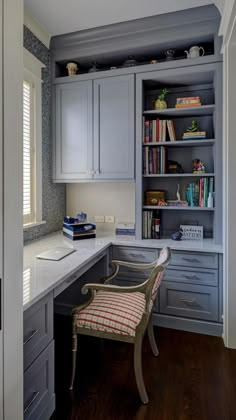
(114, 127)
(73, 131)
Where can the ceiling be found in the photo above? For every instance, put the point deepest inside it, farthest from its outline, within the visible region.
(60, 16)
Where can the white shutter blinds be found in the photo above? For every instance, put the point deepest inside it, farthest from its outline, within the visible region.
(28, 151)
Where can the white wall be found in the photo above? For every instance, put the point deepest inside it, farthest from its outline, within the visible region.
(102, 199)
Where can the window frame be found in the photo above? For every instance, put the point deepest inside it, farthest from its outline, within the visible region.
(32, 75)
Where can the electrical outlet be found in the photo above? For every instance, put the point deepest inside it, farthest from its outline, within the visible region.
(109, 219)
(99, 219)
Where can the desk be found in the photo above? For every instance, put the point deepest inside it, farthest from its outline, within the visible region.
(45, 280)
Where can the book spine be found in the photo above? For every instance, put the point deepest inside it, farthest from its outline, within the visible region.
(154, 134)
(147, 131)
(160, 130)
(157, 130)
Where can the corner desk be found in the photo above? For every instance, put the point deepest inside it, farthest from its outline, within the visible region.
(190, 297)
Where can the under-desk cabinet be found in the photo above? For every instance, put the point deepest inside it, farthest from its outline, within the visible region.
(191, 292)
(39, 397)
(93, 130)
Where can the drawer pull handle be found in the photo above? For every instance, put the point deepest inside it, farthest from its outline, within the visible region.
(34, 397)
(33, 333)
(193, 277)
(137, 255)
(191, 302)
(191, 260)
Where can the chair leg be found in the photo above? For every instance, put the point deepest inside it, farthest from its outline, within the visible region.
(151, 337)
(74, 353)
(138, 369)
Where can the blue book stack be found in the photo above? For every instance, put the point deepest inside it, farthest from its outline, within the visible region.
(77, 231)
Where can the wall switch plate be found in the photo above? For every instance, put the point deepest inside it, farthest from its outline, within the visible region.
(99, 219)
(109, 219)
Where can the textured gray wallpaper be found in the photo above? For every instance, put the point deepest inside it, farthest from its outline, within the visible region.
(53, 198)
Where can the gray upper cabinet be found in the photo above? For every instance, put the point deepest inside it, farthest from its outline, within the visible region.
(94, 130)
(114, 127)
(73, 151)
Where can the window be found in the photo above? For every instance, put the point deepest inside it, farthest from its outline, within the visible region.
(28, 153)
(32, 140)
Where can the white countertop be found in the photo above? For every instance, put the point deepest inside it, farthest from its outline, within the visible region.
(42, 276)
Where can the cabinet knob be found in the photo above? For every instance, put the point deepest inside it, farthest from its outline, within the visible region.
(97, 171)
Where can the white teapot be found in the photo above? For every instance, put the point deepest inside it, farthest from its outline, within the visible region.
(194, 52)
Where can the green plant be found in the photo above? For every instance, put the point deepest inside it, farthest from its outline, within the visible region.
(163, 94)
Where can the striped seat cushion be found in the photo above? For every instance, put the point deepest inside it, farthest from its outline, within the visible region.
(113, 312)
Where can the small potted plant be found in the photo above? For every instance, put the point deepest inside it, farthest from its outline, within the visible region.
(160, 103)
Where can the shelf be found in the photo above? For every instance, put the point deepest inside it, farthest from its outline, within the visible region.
(179, 175)
(182, 112)
(178, 208)
(183, 143)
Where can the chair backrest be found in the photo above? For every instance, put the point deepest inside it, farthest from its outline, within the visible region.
(157, 275)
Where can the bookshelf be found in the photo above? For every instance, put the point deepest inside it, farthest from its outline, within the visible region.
(203, 81)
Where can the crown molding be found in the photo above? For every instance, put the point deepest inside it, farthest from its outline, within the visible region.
(227, 20)
(36, 29)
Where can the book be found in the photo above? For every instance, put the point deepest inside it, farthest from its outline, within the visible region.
(185, 98)
(84, 233)
(171, 130)
(79, 227)
(80, 237)
(188, 105)
(146, 139)
(188, 101)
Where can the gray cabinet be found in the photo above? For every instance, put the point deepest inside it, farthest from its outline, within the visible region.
(73, 143)
(39, 397)
(94, 130)
(114, 127)
(190, 295)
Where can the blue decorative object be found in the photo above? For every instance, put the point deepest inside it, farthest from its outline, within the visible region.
(81, 217)
(176, 236)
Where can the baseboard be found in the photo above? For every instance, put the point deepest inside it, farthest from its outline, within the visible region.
(192, 325)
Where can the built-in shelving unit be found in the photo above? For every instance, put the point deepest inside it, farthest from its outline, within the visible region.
(203, 81)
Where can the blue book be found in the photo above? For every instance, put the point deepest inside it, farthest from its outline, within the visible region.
(79, 227)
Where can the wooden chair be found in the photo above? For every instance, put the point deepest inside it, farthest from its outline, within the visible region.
(121, 313)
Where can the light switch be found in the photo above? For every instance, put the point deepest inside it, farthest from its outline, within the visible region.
(109, 219)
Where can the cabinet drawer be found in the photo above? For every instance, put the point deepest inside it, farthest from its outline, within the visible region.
(140, 255)
(38, 328)
(193, 259)
(39, 384)
(189, 300)
(204, 276)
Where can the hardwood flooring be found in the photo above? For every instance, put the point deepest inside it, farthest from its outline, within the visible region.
(193, 378)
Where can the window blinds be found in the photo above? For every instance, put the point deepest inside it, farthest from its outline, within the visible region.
(27, 153)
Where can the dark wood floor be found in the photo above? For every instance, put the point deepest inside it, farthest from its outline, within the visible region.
(194, 378)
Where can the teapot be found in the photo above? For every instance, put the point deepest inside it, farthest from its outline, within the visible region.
(194, 52)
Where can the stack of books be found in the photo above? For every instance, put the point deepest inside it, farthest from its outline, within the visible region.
(125, 228)
(189, 101)
(158, 131)
(76, 231)
(198, 192)
(154, 160)
(192, 135)
(151, 225)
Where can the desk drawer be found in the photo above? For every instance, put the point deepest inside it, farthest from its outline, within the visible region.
(39, 385)
(141, 255)
(38, 328)
(194, 259)
(189, 300)
(207, 277)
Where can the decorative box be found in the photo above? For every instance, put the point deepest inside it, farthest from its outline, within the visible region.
(154, 198)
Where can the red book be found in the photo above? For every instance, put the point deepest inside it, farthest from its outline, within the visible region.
(157, 130)
(146, 132)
